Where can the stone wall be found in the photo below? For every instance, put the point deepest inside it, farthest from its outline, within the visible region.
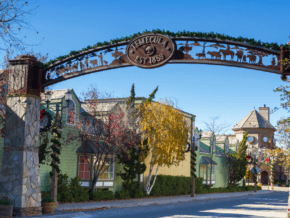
(19, 175)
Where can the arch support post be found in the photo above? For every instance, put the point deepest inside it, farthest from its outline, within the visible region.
(19, 175)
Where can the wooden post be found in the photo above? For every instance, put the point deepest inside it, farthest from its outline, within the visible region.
(256, 175)
(55, 174)
(272, 175)
(192, 170)
(54, 180)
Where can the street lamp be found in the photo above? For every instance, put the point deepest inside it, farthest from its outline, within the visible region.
(254, 161)
(68, 97)
(194, 140)
(57, 122)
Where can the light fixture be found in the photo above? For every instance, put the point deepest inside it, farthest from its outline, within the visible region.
(68, 97)
(48, 98)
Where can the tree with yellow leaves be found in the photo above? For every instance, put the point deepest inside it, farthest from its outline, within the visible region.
(167, 133)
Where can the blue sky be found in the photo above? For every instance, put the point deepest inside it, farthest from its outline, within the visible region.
(203, 90)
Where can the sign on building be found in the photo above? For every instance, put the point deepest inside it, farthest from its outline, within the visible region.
(257, 170)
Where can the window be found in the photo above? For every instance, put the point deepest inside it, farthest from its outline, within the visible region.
(108, 174)
(227, 147)
(202, 172)
(212, 174)
(197, 140)
(70, 113)
(213, 144)
(84, 169)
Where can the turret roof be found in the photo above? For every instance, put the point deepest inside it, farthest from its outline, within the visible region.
(253, 120)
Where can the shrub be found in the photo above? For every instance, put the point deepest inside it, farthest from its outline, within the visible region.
(102, 195)
(122, 194)
(198, 184)
(78, 192)
(206, 186)
(47, 199)
(140, 194)
(171, 185)
(63, 191)
(45, 194)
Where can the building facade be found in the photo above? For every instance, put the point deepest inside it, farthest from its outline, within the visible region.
(260, 137)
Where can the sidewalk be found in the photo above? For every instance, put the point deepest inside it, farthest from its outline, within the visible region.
(68, 208)
(155, 200)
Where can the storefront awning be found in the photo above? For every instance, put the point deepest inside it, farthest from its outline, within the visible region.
(206, 160)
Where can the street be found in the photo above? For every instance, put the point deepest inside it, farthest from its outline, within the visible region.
(266, 205)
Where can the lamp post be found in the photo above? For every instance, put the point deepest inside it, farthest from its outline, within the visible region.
(57, 123)
(254, 162)
(194, 140)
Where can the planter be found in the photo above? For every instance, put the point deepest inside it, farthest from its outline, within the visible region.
(6, 211)
(47, 207)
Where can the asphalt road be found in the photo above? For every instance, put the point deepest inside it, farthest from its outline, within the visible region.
(266, 205)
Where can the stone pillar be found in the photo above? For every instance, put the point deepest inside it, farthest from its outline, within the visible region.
(19, 175)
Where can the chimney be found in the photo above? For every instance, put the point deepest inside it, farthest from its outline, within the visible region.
(265, 112)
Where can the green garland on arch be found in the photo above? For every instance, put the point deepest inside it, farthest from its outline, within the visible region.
(252, 41)
(55, 140)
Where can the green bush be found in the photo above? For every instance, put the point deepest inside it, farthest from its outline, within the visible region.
(140, 194)
(171, 185)
(122, 194)
(63, 191)
(204, 191)
(198, 184)
(45, 194)
(47, 199)
(78, 192)
(133, 189)
(102, 195)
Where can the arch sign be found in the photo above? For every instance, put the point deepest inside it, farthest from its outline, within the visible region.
(146, 51)
(154, 50)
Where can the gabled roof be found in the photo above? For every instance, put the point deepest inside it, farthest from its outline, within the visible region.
(220, 138)
(89, 146)
(206, 134)
(100, 107)
(232, 140)
(58, 94)
(206, 160)
(203, 150)
(253, 120)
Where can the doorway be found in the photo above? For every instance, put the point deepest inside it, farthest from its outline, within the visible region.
(264, 178)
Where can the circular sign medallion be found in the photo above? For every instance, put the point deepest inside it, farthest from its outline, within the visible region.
(150, 50)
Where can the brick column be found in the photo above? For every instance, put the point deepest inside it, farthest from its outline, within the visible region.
(19, 175)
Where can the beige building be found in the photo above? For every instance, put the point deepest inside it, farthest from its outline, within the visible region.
(260, 137)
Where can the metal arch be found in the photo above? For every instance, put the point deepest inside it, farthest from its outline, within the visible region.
(100, 48)
(67, 72)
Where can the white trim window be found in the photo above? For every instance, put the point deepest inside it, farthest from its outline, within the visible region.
(83, 167)
(108, 174)
(213, 144)
(227, 147)
(212, 174)
(197, 140)
(202, 172)
(69, 110)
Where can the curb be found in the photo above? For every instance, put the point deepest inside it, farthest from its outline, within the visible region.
(153, 202)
